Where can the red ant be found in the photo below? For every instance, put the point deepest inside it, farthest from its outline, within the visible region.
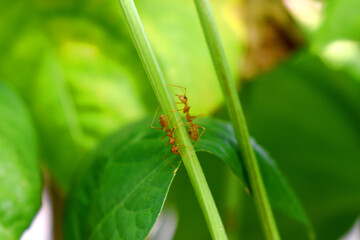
(172, 140)
(162, 120)
(193, 128)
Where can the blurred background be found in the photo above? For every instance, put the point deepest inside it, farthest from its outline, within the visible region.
(296, 64)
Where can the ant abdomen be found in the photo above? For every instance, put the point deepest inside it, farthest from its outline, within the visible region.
(193, 132)
(163, 121)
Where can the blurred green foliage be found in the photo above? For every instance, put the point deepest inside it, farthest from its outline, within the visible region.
(81, 76)
(307, 116)
(341, 22)
(20, 177)
(337, 40)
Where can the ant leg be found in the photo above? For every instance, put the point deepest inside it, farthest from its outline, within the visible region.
(181, 125)
(175, 127)
(184, 89)
(200, 134)
(176, 169)
(180, 145)
(171, 132)
(152, 123)
(197, 116)
(171, 119)
(177, 110)
(164, 158)
(163, 137)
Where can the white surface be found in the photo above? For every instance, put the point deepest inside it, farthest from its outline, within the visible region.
(354, 233)
(165, 225)
(41, 226)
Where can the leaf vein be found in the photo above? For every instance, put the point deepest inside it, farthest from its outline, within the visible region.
(123, 201)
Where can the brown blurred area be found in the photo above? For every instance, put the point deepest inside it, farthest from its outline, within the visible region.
(272, 35)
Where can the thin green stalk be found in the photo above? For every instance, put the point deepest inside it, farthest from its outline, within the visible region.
(237, 117)
(167, 102)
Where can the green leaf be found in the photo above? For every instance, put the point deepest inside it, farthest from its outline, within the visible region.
(308, 117)
(279, 192)
(125, 185)
(20, 177)
(121, 193)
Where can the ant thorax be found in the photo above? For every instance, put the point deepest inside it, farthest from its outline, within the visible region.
(186, 108)
(172, 141)
(188, 117)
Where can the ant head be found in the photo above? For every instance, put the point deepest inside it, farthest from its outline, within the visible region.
(175, 149)
(182, 98)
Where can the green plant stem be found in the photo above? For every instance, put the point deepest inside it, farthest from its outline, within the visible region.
(167, 102)
(237, 117)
